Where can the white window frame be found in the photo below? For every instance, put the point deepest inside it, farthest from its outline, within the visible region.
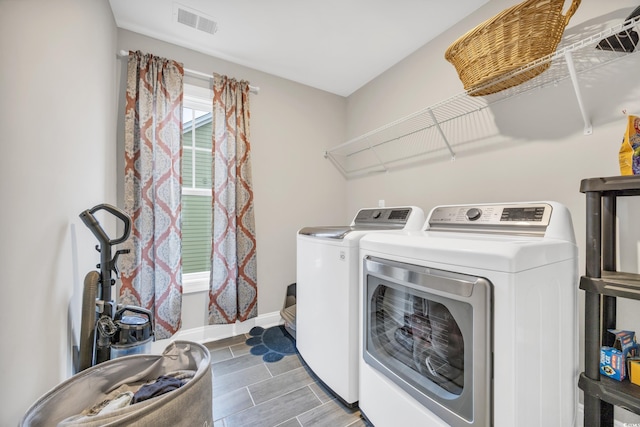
(198, 98)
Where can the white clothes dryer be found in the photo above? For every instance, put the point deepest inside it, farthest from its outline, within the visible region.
(471, 322)
(327, 296)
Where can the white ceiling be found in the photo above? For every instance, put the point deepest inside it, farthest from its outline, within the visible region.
(334, 45)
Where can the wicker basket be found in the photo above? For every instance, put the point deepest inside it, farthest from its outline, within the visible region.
(510, 40)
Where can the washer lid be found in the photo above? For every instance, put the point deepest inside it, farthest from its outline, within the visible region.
(339, 232)
(371, 219)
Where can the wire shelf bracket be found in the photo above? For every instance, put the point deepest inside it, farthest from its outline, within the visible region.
(368, 153)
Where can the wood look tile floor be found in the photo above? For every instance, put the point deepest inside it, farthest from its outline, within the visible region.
(248, 392)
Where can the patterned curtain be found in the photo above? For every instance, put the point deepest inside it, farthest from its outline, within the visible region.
(233, 294)
(152, 278)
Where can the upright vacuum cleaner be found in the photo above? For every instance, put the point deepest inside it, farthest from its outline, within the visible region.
(105, 331)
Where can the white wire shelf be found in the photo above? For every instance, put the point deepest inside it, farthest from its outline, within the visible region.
(435, 131)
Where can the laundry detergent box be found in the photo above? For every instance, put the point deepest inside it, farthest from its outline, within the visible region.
(613, 359)
(612, 363)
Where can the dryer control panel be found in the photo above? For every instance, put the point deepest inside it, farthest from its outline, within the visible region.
(521, 218)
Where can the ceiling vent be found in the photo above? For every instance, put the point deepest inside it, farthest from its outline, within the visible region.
(194, 19)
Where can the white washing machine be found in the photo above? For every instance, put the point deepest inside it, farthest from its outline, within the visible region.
(327, 296)
(471, 322)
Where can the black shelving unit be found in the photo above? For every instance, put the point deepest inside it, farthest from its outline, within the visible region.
(603, 284)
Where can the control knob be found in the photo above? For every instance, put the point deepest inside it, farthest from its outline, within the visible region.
(474, 214)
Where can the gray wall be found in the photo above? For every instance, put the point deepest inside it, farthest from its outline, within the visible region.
(61, 106)
(57, 121)
(532, 147)
(65, 123)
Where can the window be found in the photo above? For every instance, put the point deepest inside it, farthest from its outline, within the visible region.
(196, 188)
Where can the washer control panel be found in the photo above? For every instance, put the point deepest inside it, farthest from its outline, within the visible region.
(504, 218)
(382, 216)
(371, 219)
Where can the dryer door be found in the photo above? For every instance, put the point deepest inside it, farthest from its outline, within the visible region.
(429, 331)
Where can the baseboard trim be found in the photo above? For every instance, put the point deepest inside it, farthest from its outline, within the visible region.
(217, 332)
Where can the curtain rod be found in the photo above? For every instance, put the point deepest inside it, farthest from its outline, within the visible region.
(193, 73)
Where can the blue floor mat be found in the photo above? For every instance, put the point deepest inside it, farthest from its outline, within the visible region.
(272, 344)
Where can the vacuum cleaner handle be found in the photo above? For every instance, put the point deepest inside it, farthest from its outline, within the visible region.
(93, 224)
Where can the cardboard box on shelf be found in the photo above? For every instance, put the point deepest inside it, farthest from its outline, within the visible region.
(612, 363)
(613, 359)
